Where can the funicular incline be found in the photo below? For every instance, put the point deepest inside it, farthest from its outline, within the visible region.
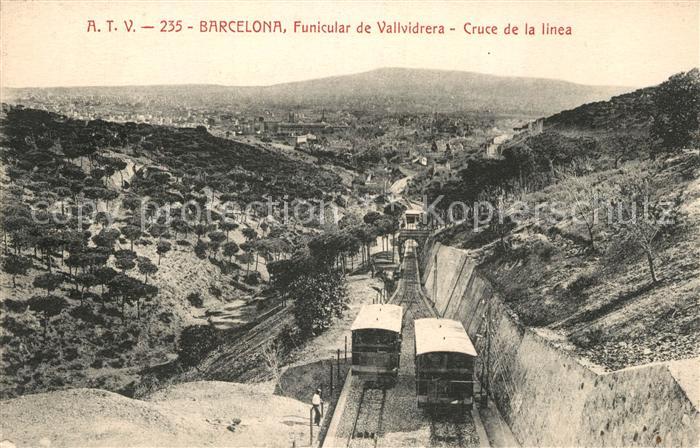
(377, 415)
(419, 236)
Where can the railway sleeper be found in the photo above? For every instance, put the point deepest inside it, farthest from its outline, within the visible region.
(447, 433)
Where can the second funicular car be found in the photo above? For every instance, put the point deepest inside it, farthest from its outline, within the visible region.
(444, 363)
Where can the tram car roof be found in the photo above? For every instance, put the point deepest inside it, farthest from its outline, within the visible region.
(379, 317)
(442, 335)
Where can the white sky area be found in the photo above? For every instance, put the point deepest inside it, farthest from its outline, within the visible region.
(614, 43)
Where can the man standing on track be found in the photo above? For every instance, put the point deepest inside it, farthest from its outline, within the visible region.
(316, 403)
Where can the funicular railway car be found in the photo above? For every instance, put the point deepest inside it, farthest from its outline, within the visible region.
(376, 341)
(444, 363)
(412, 219)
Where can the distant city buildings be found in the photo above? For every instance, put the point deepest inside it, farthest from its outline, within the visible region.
(297, 140)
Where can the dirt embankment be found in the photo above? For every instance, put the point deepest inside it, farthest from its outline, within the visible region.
(189, 414)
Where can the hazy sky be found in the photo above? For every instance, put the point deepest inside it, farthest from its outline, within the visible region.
(618, 43)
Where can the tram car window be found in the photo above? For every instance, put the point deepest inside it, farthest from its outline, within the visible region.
(376, 340)
(444, 363)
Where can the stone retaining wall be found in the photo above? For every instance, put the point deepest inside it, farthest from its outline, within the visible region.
(547, 397)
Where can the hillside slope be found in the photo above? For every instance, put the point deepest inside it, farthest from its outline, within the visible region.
(96, 283)
(598, 245)
(189, 414)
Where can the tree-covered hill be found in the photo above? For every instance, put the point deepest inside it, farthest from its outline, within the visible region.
(53, 141)
(99, 278)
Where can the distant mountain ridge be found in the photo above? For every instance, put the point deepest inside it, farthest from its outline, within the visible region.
(448, 90)
(390, 89)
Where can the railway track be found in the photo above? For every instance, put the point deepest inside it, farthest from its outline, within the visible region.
(454, 429)
(411, 296)
(367, 427)
(448, 428)
(446, 433)
(234, 360)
